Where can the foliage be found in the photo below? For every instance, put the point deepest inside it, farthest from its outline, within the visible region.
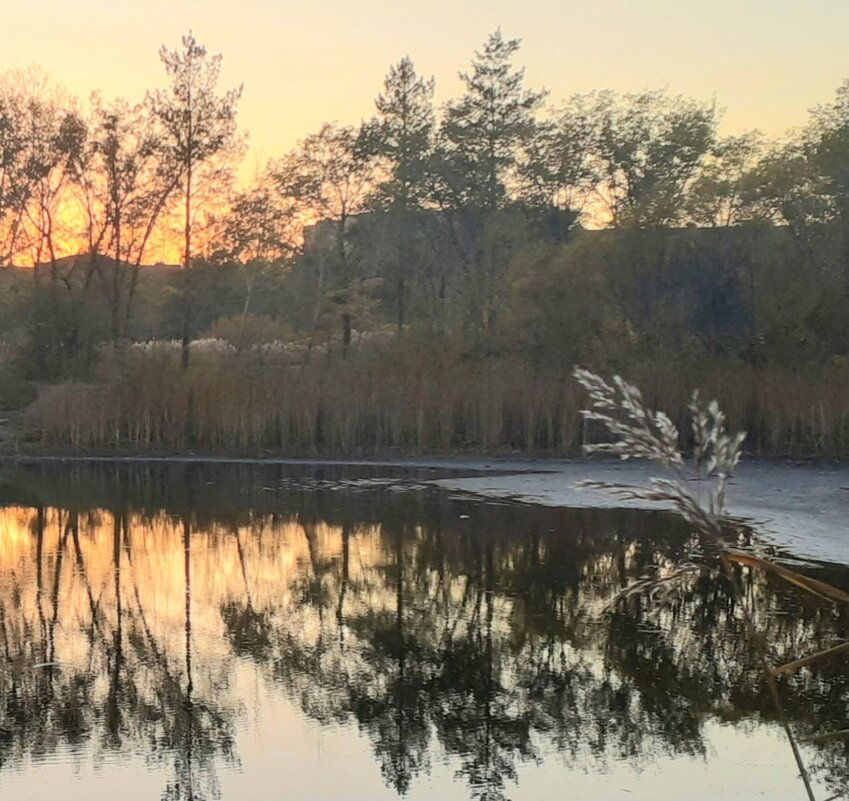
(615, 230)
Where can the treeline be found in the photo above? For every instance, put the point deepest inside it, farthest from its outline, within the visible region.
(424, 280)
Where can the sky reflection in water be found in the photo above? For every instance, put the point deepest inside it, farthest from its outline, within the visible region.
(201, 632)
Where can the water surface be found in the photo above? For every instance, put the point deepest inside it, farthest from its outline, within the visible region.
(239, 632)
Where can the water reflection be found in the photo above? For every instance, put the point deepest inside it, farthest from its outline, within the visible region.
(444, 631)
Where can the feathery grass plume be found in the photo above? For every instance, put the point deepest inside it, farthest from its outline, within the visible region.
(637, 432)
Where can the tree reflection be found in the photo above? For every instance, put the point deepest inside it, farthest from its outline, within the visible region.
(108, 679)
(440, 629)
(484, 641)
(389, 697)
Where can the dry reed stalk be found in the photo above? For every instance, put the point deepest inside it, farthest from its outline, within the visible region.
(406, 400)
(636, 431)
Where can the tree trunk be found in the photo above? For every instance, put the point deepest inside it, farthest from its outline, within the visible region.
(187, 263)
(400, 290)
(346, 331)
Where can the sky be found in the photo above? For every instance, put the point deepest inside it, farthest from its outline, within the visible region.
(302, 63)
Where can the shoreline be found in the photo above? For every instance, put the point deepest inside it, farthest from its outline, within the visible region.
(800, 507)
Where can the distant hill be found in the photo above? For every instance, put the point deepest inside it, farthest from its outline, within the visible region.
(76, 267)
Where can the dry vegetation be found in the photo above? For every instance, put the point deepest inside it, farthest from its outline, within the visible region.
(696, 489)
(249, 404)
(385, 397)
(432, 273)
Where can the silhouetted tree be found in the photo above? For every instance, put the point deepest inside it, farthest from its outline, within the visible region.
(401, 136)
(198, 129)
(330, 175)
(650, 148)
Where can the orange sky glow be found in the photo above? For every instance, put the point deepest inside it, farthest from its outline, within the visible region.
(766, 62)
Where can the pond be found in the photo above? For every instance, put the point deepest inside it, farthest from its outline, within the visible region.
(316, 632)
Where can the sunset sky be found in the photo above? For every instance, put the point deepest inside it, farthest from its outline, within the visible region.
(766, 61)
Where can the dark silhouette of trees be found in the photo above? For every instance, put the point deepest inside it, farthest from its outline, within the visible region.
(650, 148)
(330, 175)
(500, 238)
(198, 130)
(125, 191)
(401, 136)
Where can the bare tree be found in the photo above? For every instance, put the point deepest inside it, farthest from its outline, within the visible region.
(54, 136)
(260, 229)
(124, 188)
(198, 129)
(15, 180)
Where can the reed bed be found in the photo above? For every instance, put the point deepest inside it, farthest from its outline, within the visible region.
(378, 401)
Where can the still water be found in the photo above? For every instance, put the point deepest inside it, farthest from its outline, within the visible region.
(309, 633)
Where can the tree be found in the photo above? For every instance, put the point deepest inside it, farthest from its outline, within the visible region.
(717, 197)
(401, 134)
(198, 128)
(259, 230)
(42, 224)
(650, 148)
(55, 136)
(828, 138)
(15, 181)
(401, 137)
(475, 166)
(124, 191)
(329, 175)
(828, 151)
(557, 170)
(487, 126)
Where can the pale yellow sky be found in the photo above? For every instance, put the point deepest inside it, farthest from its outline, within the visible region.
(765, 61)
